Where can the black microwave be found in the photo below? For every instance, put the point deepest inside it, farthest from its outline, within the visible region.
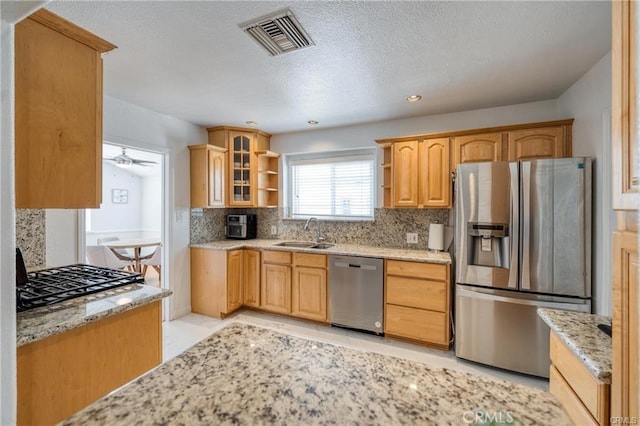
(242, 226)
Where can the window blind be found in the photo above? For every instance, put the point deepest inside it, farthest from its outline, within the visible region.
(333, 187)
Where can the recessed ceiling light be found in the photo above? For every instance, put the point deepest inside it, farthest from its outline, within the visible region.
(251, 123)
(312, 122)
(414, 98)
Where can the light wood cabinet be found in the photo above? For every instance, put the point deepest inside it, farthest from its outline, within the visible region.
(626, 369)
(216, 281)
(235, 274)
(405, 174)
(625, 388)
(58, 113)
(252, 175)
(275, 286)
(252, 278)
(268, 178)
(62, 374)
(416, 170)
(435, 173)
(585, 398)
(477, 148)
(546, 142)
(416, 173)
(417, 301)
(208, 175)
(309, 287)
(624, 106)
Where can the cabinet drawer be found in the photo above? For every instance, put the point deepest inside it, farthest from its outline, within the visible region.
(576, 410)
(424, 294)
(417, 270)
(308, 259)
(416, 324)
(594, 394)
(276, 257)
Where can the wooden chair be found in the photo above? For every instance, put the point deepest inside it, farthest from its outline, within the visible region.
(154, 260)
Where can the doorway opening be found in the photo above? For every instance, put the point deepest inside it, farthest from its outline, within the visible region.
(128, 230)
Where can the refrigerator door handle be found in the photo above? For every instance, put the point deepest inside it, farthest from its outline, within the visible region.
(528, 302)
(525, 226)
(514, 228)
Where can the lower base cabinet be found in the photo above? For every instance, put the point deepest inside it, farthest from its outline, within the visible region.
(309, 293)
(251, 281)
(584, 398)
(216, 281)
(417, 301)
(294, 284)
(61, 374)
(275, 283)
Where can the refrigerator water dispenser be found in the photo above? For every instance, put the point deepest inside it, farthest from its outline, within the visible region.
(488, 244)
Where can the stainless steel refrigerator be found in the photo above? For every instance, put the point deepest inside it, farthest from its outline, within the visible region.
(522, 241)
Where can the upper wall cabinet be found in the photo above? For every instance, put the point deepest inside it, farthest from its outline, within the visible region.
(417, 169)
(416, 173)
(58, 113)
(248, 157)
(477, 148)
(208, 175)
(545, 142)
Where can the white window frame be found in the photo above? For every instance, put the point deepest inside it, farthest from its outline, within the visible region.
(290, 160)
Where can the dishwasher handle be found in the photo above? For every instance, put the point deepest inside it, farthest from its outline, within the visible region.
(354, 265)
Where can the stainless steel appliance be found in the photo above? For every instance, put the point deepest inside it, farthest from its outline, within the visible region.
(523, 241)
(55, 285)
(242, 226)
(356, 293)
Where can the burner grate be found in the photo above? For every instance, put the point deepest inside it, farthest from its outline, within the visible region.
(55, 285)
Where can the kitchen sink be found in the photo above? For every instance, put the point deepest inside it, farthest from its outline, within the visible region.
(299, 244)
(304, 244)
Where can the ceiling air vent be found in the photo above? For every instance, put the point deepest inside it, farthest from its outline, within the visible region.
(278, 33)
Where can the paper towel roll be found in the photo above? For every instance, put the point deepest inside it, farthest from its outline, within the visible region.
(436, 236)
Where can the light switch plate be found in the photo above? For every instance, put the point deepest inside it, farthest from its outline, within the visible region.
(412, 238)
(274, 230)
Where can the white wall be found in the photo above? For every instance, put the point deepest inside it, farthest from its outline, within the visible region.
(151, 205)
(364, 135)
(117, 216)
(589, 102)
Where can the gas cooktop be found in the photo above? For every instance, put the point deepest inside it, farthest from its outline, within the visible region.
(54, 285)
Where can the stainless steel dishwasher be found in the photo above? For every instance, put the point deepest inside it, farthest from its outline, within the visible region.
(356, 294)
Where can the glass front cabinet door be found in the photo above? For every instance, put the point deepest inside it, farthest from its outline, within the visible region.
(241, 164)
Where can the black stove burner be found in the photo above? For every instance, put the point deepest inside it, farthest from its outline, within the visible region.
(55, 285)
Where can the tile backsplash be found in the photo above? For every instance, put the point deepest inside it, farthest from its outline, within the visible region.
(31, 236)
(388, 229)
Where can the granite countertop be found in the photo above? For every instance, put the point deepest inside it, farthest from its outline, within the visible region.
(245, 374)
(341, 249)
(579, 331)
(39, 323)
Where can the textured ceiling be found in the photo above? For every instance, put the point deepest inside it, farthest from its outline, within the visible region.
(191, 60)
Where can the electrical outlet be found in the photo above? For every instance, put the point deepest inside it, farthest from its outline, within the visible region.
(412, 238)
(274, 230)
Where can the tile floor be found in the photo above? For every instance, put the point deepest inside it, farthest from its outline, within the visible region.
(184, 332)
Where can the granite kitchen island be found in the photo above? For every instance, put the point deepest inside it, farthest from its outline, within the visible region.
(250, 375)
(72, 353)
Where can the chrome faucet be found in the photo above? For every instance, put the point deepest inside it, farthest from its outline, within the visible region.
(319, 238)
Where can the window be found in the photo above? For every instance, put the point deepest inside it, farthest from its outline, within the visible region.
(337, 185)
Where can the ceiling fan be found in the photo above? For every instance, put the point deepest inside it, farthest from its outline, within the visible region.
(124, 161)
